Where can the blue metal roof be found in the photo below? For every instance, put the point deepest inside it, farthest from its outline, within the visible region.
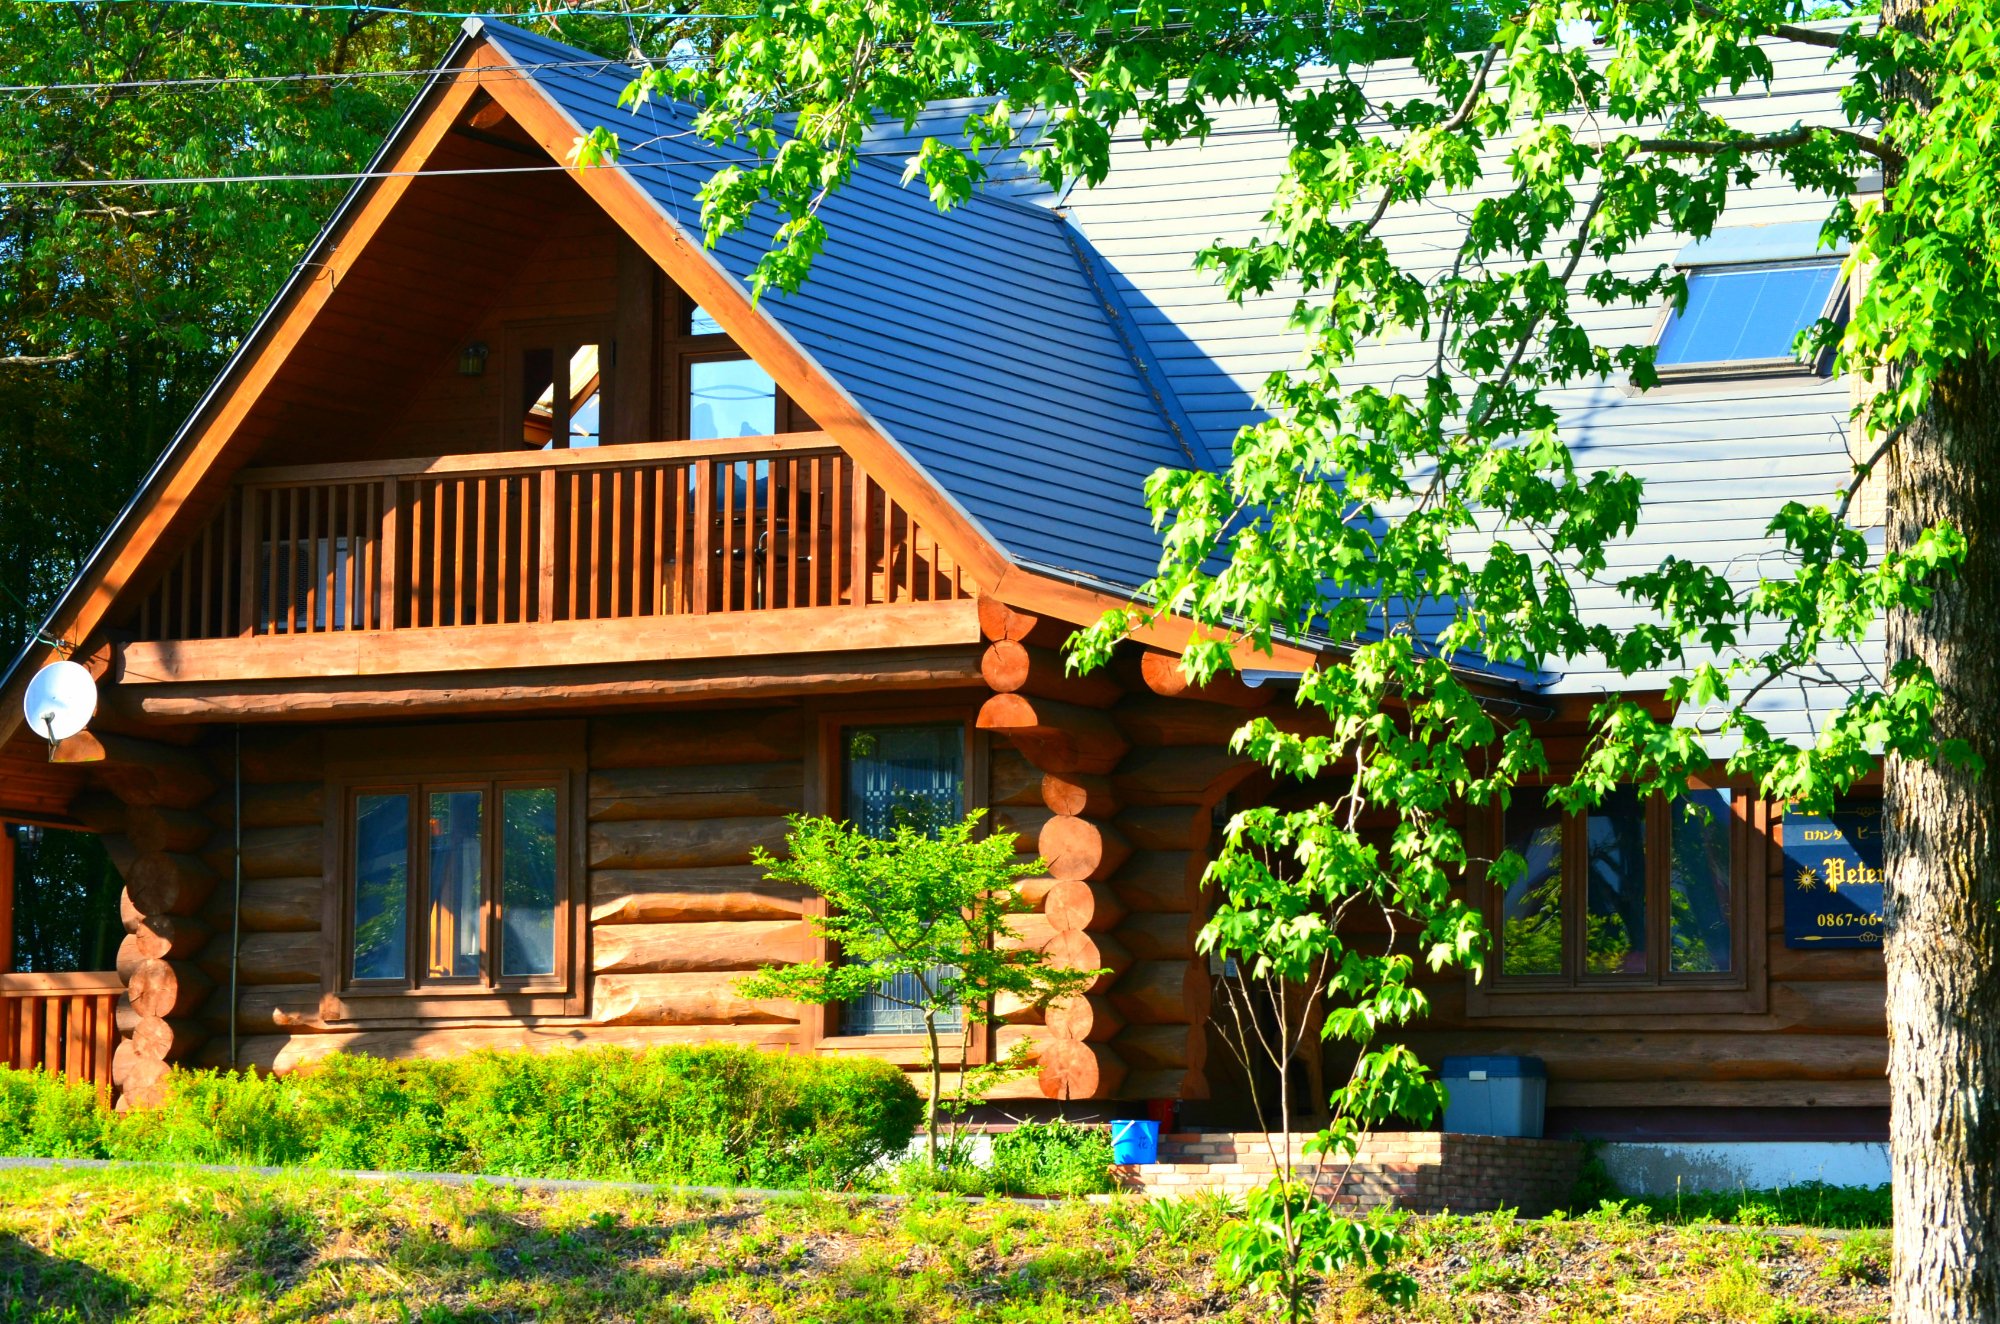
(976, 340)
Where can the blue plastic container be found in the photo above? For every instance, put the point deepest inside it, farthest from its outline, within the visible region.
(1494, 1096)
(1134, 1141)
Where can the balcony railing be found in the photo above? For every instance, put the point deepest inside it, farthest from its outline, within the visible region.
(670, 528)
(64, 1023)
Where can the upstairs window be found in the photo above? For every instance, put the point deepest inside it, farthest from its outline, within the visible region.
(558, 384)
(1641, 896)
(1751, 291)
(716, 391)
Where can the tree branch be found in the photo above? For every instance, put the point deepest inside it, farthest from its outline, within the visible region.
(38, 360)
(1863, 470)
(1789, 31)
(1797, 136)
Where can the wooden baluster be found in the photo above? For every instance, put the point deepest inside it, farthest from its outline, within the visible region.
(770, 595)
(103, 1045)
(7, 1007)
(684, 538)
(751, 598)
(456, 564)
(657, 600)
(524, 548)
(574, 483)
(440, 504)
(729, 537)
(859, 532)
(27, 1024)
(389, 557)
(614, 576)
(479, 559)
(249, 540)
(635, 576)
(699, 570)
(52, 1023)
(545, 538)
(309, 576)
(814, 558)
(76, 1039)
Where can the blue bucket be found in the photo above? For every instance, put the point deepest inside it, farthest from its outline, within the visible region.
(1135, 1142)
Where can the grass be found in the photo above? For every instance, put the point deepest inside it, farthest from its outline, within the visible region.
(168, 1244)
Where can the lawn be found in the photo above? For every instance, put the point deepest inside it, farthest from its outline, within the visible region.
(160, 1244)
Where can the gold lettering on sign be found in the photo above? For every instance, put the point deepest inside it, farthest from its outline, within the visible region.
(1839, 873)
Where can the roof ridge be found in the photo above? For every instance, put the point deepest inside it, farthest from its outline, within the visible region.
(1151, 374)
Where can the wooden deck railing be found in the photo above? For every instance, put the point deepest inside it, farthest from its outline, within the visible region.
(65, 1023)
(756, 524)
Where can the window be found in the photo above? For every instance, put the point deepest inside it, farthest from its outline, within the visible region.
(455, 893)
(558, 384)
(892, 776)
(719, 391)
(1746, 318)
(1642, 900)
(455, 883)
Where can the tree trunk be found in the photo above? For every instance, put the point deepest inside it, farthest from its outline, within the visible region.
(1942, 898)
(937, 1083)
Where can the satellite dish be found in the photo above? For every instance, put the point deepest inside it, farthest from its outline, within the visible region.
(60, 701)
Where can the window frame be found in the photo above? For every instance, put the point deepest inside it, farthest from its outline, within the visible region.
(492, 759)
(1717, 370)
(1744, 988)
(678, 349)
(820, 1024)
(555, 334)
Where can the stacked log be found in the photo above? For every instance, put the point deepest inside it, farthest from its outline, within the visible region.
(279, 948)
(145, 797)
(679, 914)
(1054, 721)
(1179, 769)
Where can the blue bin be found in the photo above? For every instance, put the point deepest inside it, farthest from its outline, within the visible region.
(1494, 1096)
(1135, 1142)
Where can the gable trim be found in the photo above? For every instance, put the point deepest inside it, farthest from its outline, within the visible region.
(188, 459)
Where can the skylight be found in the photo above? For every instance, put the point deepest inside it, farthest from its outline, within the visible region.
(1747, 315)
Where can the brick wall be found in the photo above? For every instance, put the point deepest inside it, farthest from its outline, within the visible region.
(1424, 1171)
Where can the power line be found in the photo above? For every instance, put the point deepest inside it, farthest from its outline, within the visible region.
(351, 176)
(512, 16)
(233, 80)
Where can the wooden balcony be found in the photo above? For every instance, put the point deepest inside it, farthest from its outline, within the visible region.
(698, 548)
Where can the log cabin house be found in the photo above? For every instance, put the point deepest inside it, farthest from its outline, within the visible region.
(516, 531)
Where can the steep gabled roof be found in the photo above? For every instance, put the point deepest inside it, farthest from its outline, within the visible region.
(978, 341)
(979, 363)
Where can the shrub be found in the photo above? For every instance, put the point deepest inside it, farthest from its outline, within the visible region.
(1053, 1158)
(710, 1115)
(44, 1115)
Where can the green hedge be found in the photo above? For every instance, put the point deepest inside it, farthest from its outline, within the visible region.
(716, 1115)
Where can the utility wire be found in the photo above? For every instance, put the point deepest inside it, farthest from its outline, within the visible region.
(512, 16)
(245, 80)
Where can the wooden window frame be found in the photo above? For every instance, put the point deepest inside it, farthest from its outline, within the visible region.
(678, 349)
(416, 760)
(554, 332)
(1744, 988)
(820, 1024)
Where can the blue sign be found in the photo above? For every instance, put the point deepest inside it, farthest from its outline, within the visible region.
(1833, 877)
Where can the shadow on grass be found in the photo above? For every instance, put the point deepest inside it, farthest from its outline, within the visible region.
(428, 1274)
(37, 1286)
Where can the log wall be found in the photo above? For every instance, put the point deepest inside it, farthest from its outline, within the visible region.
(1821, 1042)
(1113, 780)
